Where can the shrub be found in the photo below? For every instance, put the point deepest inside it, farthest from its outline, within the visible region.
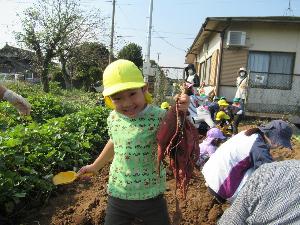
(30, 155)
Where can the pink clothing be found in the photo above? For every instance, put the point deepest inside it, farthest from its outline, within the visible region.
(206, 148)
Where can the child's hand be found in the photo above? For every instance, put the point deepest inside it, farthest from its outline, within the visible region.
(183, 102)
(86, 169)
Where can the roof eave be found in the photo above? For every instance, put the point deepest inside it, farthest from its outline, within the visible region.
(270, 19)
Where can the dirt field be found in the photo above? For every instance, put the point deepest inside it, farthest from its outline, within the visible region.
(84, 203)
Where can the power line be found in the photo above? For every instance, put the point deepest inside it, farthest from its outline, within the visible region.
(185, 38)
(162, 38)
(143, 30)
(166, 32)
(126, 17)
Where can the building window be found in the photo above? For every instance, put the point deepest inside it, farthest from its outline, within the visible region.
(271, 69)
(28, 75)
(202, 71)
(207, 70)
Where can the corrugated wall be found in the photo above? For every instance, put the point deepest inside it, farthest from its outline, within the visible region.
(232, 60)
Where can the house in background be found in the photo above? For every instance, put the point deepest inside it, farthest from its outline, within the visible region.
(269, 47)
(16, 63)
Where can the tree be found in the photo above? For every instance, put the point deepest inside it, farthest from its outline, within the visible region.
(81, 32)
(132, 52)
(160, 83)
(88, 63)
(51, 28)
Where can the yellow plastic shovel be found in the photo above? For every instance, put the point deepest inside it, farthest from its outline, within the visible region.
(67, 177)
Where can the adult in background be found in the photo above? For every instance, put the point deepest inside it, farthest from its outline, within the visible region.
(228, 169)
(192, 77)
(195, 102)
(242, 85)
(20, 103)
(271, 196)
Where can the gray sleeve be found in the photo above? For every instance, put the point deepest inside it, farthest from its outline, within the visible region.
(270, 196)
(238, 212)
(260, 153)
(244, 204)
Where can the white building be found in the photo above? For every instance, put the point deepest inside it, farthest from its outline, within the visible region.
(269, 47)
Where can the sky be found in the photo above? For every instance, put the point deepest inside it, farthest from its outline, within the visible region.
(175, 23)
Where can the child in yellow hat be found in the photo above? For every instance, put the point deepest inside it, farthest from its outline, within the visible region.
(222, 118)
(222, 115)
(165, 105)
(135, 187)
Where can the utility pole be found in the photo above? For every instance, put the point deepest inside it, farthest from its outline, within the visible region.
(149, 31)
(289, 11)
(111, 49)
(147, 65)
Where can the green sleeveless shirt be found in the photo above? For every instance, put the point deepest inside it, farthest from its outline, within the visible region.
(133, 174)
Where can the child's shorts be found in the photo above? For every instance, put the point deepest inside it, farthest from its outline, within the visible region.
(152, 211)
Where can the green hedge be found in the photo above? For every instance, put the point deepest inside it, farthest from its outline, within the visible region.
(45, 106)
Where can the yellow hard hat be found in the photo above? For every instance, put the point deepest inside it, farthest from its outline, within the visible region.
(221, 115)
(222, 102)
(121, 75)
(165, 105)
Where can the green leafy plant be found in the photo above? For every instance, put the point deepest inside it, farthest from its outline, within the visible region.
(64, 131)
(30, 155)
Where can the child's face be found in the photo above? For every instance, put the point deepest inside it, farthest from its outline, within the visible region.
(223, 108)
(216, 142)
(130, 102)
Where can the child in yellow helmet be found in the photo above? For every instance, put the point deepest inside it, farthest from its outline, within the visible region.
(135, 187)
(222, 115)
(222, 118)
(165, 105)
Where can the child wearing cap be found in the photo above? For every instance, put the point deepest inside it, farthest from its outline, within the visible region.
(135, 188)
(209, 145)
(214, 107)
(222, 118)
(229, 168)
(165, 105)
(235, 112)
